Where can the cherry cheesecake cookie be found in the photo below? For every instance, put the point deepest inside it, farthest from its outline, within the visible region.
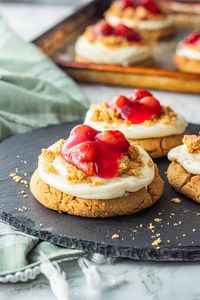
(142, 119)
(96, 174)
(102, 43)
(187, 57)
(184, 12)
(145, 15)
(184, 171)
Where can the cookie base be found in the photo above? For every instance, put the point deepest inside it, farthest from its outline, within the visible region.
(187, 65)
(146, 62)
(184, 182)
(158, 34)
(159, 147)
(128, 204)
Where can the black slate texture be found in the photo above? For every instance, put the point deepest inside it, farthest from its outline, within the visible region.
(178, 229)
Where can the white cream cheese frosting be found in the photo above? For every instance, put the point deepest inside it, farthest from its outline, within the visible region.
(188, 52)
(139, 131)
(111, 188)
(189, 161)
(97, 52)
(145, 25)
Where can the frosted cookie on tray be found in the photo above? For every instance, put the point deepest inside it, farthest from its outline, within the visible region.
(184, 171)
(102, 43)
(185, 12)
(96, 174)
(187, 57)
(142, 119)
(145, 15)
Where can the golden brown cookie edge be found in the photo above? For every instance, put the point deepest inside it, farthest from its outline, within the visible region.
(129, 204)
(187, 65)
(184, 182)
(159, 147)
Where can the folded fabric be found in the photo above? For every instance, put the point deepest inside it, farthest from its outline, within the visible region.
(34, 91)
(20, 252)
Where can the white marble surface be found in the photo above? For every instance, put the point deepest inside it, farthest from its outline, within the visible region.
(150, 281)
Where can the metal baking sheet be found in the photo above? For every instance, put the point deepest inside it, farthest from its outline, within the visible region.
(58, 43)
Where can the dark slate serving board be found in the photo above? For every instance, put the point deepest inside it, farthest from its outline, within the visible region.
(179, 242)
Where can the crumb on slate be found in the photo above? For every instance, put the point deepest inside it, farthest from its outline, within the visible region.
(158, 220)
(156, 242)
(176, 200)
(115, 236)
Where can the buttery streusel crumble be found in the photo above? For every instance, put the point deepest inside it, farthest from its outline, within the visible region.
(130, 165)
(192, 142)
(104, 113)
(110, 40)
(137, 14)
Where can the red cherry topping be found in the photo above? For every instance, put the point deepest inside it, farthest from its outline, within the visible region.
(139, 94)
(152, 104)
(192, 39)
(138, 107)
(102, 28)
(115, 139)
(80, 133)
(119, 102)
(95, 152)
(130, 34)
(128, 3)
(149, 5)
(83, 155)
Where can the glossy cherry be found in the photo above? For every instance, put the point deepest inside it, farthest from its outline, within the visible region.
(124, 31)
(102, 28)
(139, 94)
(151, 6)
(137, 108)
(128, 3)
(78, 134)
(152, 104)
(193, 39)
(115, 139)
(95, 152)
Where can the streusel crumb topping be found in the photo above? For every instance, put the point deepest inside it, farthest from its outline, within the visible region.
(132, 163)
(103, 113)
(137, 14)
(49, 155)
(192, 142)
(110, 40)
(129, 165)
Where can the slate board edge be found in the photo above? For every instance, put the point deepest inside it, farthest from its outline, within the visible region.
(161, 255)
(165, 254)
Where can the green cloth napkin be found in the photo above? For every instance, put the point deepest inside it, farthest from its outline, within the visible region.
(33, 93)
(19, 251)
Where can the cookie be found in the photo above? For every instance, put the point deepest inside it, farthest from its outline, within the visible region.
(158, 147)
(187, 65)
(145, 62)
(184, 182)
(159, 33)
(128, 204)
